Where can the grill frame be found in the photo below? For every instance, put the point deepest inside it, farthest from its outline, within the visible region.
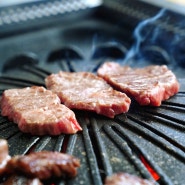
(104, 143)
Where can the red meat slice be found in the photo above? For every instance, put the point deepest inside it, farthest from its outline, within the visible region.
(38, 111)
(126, 179)
(44, 165)
(86, 91)
(149, 85)
(4, 155)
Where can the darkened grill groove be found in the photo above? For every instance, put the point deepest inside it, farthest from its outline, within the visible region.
(124, 147)
(8, 129)
(174, 104)
(35, 71)
(20, 143)
(59, 142)
(168, 117)
(158, 132)
(140, 152)
(107, 169)
(71, 143)
(91, 157)
(105, 146)
(42, 143)
(18, 82)
(157, 140)
(161, 119)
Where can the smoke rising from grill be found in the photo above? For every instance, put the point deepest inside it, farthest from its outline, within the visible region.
(141, 34)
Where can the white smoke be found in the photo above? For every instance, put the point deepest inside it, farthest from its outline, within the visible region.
(140, 35)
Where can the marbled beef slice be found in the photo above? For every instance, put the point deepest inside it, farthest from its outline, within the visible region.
(38, 111)
(148, 85)
(126, 179)
(44, 165)
(86, 91)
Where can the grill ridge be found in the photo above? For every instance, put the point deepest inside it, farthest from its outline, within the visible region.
(167, 117)
(102, 150)
(123, 145)
(155, 139)
(96, 131)
(71, 143)
(160, 119)
(93, 164)
(59, 142)
(105, 146)
(158, 132)
(140, 152)
(18, 81)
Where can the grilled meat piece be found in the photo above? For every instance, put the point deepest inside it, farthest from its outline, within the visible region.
(4, 155)
(20, 180)
(86, 91)
(38, 111)
(126, 179)
(149, 85)
(44, 165)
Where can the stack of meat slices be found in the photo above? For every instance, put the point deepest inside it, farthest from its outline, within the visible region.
(86, 91)
(149, 85)
(38, 111)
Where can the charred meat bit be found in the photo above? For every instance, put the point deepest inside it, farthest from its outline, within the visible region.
(126, 179)
(149, 85)
(86, 91)
(44, 165)
(4, 155)
(38, 111)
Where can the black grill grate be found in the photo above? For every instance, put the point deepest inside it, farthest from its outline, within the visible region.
(106, 146)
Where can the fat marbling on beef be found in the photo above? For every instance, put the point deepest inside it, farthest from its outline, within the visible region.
(86, 91)
(126, 179)
(44, 165)
(148, 85)
(38, 111)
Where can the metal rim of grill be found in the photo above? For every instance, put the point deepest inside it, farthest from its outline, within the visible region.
(143, 136)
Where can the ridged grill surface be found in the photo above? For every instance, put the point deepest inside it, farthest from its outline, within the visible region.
(105, 146)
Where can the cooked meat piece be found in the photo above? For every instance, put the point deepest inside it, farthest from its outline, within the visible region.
(20, 180)
(126, 179)
(4, 155)
(44, 165)
(38, 111)
(149, 85)
(86, 91)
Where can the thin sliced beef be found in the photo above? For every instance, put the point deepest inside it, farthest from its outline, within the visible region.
(149, 85)
(86, 91)
(44, 165)
(126, 179)
(20, 180)
(4, 156)
(38, 111)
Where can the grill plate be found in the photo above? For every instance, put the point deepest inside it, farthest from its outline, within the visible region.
(82, 43)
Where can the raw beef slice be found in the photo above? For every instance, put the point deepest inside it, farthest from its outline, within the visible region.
(4, 155)
(44, 165)
(149, 85)
(86, 91)
(126, 179)
(38, 111)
